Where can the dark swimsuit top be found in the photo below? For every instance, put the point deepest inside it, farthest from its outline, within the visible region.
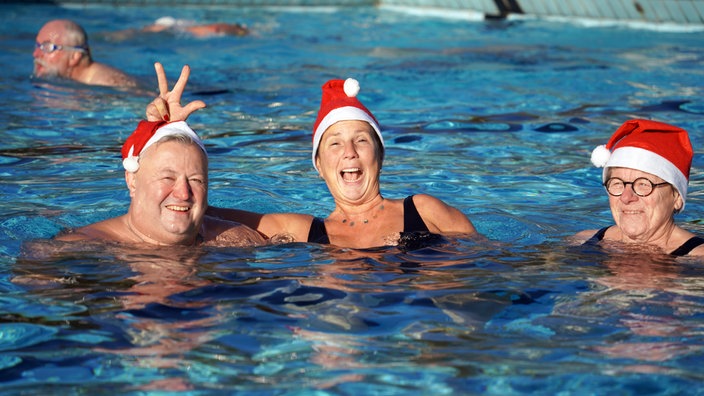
(412, 222)
(683, 250)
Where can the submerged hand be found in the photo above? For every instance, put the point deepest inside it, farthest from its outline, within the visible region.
(167, 106)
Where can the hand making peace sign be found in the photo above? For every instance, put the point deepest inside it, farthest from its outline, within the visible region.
(167, 106)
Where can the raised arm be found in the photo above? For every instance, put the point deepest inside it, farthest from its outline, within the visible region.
(167, 106)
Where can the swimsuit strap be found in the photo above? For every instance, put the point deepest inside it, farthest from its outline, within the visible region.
(597, 237)
(412, 222)
(318, 233)
(688, 246)
(683, 250)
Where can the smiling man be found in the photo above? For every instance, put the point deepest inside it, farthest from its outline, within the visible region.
(166, 171)
(61, 51)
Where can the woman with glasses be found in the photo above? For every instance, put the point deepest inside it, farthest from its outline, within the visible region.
(61, 51)
(646, 172)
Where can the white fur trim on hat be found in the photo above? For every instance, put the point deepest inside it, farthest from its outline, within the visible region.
(347, 113)
(131, 163)
(649, 162)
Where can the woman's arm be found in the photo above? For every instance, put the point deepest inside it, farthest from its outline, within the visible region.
(294, 225)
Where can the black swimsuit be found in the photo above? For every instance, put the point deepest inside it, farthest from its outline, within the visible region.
(683, 250)
(412, 222)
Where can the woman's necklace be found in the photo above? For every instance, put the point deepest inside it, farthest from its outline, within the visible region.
(366, 220)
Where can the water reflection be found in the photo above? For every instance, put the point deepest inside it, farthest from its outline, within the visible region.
(128, 293)
(452, 309)
(645, 296)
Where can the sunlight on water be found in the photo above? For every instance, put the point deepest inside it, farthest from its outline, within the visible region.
(497, 118)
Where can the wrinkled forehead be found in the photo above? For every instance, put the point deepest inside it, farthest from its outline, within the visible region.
(53, 29)
(48, 35)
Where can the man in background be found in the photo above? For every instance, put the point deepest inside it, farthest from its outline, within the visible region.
(62, 51)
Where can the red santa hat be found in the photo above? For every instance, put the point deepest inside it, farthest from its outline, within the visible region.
(649, 146)
(340, 103)
(150, 132)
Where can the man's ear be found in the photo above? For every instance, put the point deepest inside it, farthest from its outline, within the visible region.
(75, 58)
(131, 181)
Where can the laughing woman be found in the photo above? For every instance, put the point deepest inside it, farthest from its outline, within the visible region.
(348, 152)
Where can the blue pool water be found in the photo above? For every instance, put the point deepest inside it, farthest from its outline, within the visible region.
(497, 118)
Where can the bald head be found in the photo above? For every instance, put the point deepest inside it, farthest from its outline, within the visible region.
(65, 32)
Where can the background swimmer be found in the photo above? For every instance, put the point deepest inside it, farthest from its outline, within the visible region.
(176, 26)
(62, 51)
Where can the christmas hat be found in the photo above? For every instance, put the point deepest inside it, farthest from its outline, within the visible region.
(649, 146)
(340, 103)
(150, 132)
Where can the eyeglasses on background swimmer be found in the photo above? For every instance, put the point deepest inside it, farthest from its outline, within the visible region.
(49, 47)
(641, 186)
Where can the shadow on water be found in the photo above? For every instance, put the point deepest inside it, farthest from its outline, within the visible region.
(517, 122)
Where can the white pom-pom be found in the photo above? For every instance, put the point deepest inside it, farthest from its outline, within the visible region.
(131, 164)
(600, 156)
(351, 87)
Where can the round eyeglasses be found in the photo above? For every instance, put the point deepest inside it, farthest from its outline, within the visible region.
(641, 186)
(48, 47)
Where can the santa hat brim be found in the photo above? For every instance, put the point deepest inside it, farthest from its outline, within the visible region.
(178, 128)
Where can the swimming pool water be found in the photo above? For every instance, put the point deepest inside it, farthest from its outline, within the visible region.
(497, 118)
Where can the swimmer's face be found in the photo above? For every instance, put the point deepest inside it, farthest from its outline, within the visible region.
(56, 63)
(641, 218)
(169, 192)
(349, 159)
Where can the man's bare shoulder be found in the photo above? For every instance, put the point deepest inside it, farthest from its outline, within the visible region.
(107, 230)
(110, 76)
